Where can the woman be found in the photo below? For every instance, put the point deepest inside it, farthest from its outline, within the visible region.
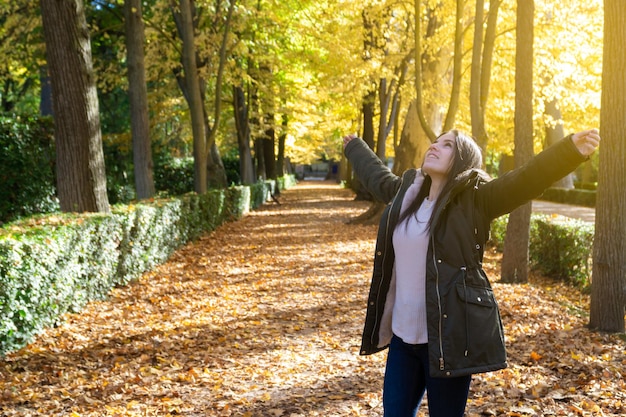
(430, 301)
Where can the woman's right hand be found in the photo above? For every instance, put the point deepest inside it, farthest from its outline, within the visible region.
(347, 139)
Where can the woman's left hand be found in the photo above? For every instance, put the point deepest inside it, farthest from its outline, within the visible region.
(586, 141)
(347, 139)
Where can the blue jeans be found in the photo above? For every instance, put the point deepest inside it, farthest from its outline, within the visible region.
(407, 378)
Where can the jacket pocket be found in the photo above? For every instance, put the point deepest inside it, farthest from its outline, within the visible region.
(473, 338)
(479, 296)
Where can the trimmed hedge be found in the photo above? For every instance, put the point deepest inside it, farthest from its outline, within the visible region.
(50, 265)
(573, 196)
(559, 247)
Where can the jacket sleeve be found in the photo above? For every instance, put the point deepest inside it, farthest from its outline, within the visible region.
(517, 187)
(375, 176)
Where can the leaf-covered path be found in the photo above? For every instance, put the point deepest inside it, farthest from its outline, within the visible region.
(262, 317)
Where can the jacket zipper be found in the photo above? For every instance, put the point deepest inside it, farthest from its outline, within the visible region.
(374, 334)
(442, 362)
(464, 269)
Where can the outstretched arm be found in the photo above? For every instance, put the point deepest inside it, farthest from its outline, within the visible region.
(522, 184)
(370, 170)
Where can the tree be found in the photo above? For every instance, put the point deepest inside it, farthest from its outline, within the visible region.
(191, 89)
(554, 132)
(457, 67)
(267, 136)
(240, 106)
(81, 180)
(138, 95)
(608, 291)
(515, 255)
(194, 86)
(482, 57)
(419, 62)
(413, 145)
(215, 166)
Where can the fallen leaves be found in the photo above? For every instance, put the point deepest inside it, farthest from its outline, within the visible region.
(263, 317)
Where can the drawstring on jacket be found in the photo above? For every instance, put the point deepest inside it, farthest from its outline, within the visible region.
(467, 332)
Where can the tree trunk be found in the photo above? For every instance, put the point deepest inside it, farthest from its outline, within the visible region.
(193, 96)
(554, 132)
(457, 67)
(384, 103)
(259, 155)
(368, 110)
(419, 61)
(413, 143)
(138, 97)
(246, 166)
(216, 172)
(482, 53)
(370, 216)
(280, 158)
(608, 291)
(81, 179)
(515, 255)
(269, 141)
(207, 159)
(269, 155)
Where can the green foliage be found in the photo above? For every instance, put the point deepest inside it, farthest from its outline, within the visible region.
(286, 182)
(231, 165)
(261, 191)
(173, 176)
(586, 198)
(46, 272)
(119, 170)
(27, 160)
(559, 247)
(498, 232)
(562, 248)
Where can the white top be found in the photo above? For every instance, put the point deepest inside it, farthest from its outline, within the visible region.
(410, 244)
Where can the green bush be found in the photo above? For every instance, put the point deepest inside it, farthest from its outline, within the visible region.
(286, 182)
(591, 186)
(50, 265)
(559, 247)
(120, 173)
(259, 192)
(562, 248)
(173, 176)
(27, 160)
(231, 165)
(586, 198)
(498, 231)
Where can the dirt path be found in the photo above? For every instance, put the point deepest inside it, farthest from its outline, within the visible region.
(263, 317)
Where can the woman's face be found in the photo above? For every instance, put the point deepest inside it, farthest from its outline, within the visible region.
(439, 157)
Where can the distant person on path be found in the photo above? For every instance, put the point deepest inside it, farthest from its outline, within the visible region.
(430, 301)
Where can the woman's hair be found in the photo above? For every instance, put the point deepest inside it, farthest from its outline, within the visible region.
(468, 157)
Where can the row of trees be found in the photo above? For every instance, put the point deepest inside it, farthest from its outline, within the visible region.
(198, 69)
(275, 79)
(439, 70)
